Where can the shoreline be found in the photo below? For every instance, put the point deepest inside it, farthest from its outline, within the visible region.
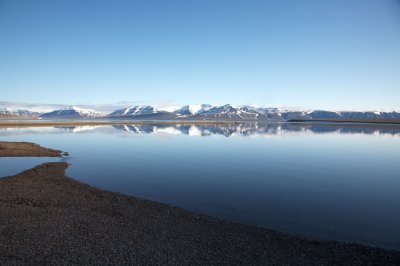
(105, 123)
(44, 123)
(52, 219)
(49, 218)
(348, 121)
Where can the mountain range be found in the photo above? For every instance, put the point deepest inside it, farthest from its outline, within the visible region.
(206, 112)
(8, 112)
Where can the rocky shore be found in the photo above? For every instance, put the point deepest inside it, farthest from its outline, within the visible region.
(47, 218)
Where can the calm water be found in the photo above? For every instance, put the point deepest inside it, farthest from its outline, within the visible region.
(320, 180)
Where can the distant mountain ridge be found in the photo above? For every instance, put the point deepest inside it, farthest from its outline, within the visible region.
(73, 112)
(207, 112)
(18, 113)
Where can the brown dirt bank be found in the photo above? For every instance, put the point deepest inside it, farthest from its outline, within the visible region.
(48, 218)
(349, 120)
(26, 149)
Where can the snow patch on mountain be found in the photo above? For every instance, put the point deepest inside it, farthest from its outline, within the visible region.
(135, 111)
(169, 109)
(193, 109)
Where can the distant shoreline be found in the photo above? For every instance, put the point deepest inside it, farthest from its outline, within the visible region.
(348, 121)
(50, 123)
(44, 123)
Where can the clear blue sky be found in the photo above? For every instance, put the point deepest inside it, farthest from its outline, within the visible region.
(342, 54)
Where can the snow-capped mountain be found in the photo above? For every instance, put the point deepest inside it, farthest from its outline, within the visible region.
(18, 112)
(229, 112)
(239, 113)
(73, 112)
(138, 110)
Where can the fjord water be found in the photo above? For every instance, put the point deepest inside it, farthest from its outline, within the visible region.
(319, 180)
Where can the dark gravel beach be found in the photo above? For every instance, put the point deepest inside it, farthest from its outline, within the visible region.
(47, 218)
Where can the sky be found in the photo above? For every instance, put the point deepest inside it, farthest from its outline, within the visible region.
(311, 54)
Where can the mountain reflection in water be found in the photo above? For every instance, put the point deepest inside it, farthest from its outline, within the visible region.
(227, 130)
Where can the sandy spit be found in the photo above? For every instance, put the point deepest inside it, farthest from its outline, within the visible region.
(26, 149)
